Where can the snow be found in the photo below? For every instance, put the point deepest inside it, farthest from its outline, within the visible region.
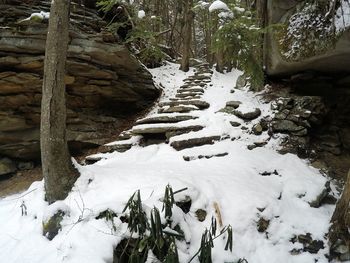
(38, 16)
(42, 15)
(218, 5)
(141, 14)
(342, 18)
(232, 181)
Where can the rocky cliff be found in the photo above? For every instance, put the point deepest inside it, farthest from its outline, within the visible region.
(308, 35)
(106, 85)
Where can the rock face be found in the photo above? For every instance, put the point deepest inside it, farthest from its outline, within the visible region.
(106, 85)
(323, 45)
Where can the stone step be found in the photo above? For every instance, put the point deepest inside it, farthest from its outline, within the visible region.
(188, 94)
(198, 103)
(192, 158)
(163, 128)
(192, 90)
(195, 83)
(126, 135)
(123, 147)
(194, 142)
(191, 85)
(199, 78)
(92, 159)
(185, 98)
(162, 134)
(165, 119)
(178, 109)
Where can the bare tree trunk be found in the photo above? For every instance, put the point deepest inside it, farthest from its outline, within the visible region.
(208, 36)
(195, 49)
(339, 235)
(187, 34)
(58, 170)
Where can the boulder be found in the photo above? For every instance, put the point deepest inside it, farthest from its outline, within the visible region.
(7, 167)
(106, 85)
(301, 46)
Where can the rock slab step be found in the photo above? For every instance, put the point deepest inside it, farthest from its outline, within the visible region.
(194, 142)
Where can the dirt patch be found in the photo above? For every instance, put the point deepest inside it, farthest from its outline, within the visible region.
(20, 181)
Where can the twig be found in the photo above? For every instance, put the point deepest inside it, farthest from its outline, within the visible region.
(20, 196)
(181, 190)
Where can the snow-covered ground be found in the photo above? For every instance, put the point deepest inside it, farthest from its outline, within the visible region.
(233, 181)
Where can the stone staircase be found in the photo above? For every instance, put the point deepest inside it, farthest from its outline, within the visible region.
(177, 116)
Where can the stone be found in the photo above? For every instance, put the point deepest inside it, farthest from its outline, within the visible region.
(197, 103)
(256, 145)
(163, 129)
(53, 225)
(191, 90)
(201, 215)
(228, 110)
(106, 85)
(194, 142)
(122, 147)
(283, 59)
(257, 129)
(178, 109)
(287, 126)
(192, 158)
(241, 82)
(322, 196)
(25, 165)
(235, 124)
(92, 159)
(263, 224)
(126, 135)
(7, 167)
(309, 244)
(184, 204)
(187, 95)
(234, 104)
(264, 123)
(165, 119)
(248, 116)
(251, 147)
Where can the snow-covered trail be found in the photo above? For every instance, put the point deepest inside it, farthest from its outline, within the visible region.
(234, 181)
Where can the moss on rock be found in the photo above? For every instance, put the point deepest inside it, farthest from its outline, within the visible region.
(53, 225)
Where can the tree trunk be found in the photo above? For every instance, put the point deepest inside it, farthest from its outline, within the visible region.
(339, 235)
(57, 167)
(187, 34)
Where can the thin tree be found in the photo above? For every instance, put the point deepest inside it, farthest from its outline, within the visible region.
(339, 232)
(188, 16)
(58, 171)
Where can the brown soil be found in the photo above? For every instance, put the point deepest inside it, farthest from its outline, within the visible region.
(20, 181)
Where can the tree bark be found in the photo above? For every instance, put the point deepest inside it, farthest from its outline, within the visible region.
(59, 174)
(339, 234)
(187, 34)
